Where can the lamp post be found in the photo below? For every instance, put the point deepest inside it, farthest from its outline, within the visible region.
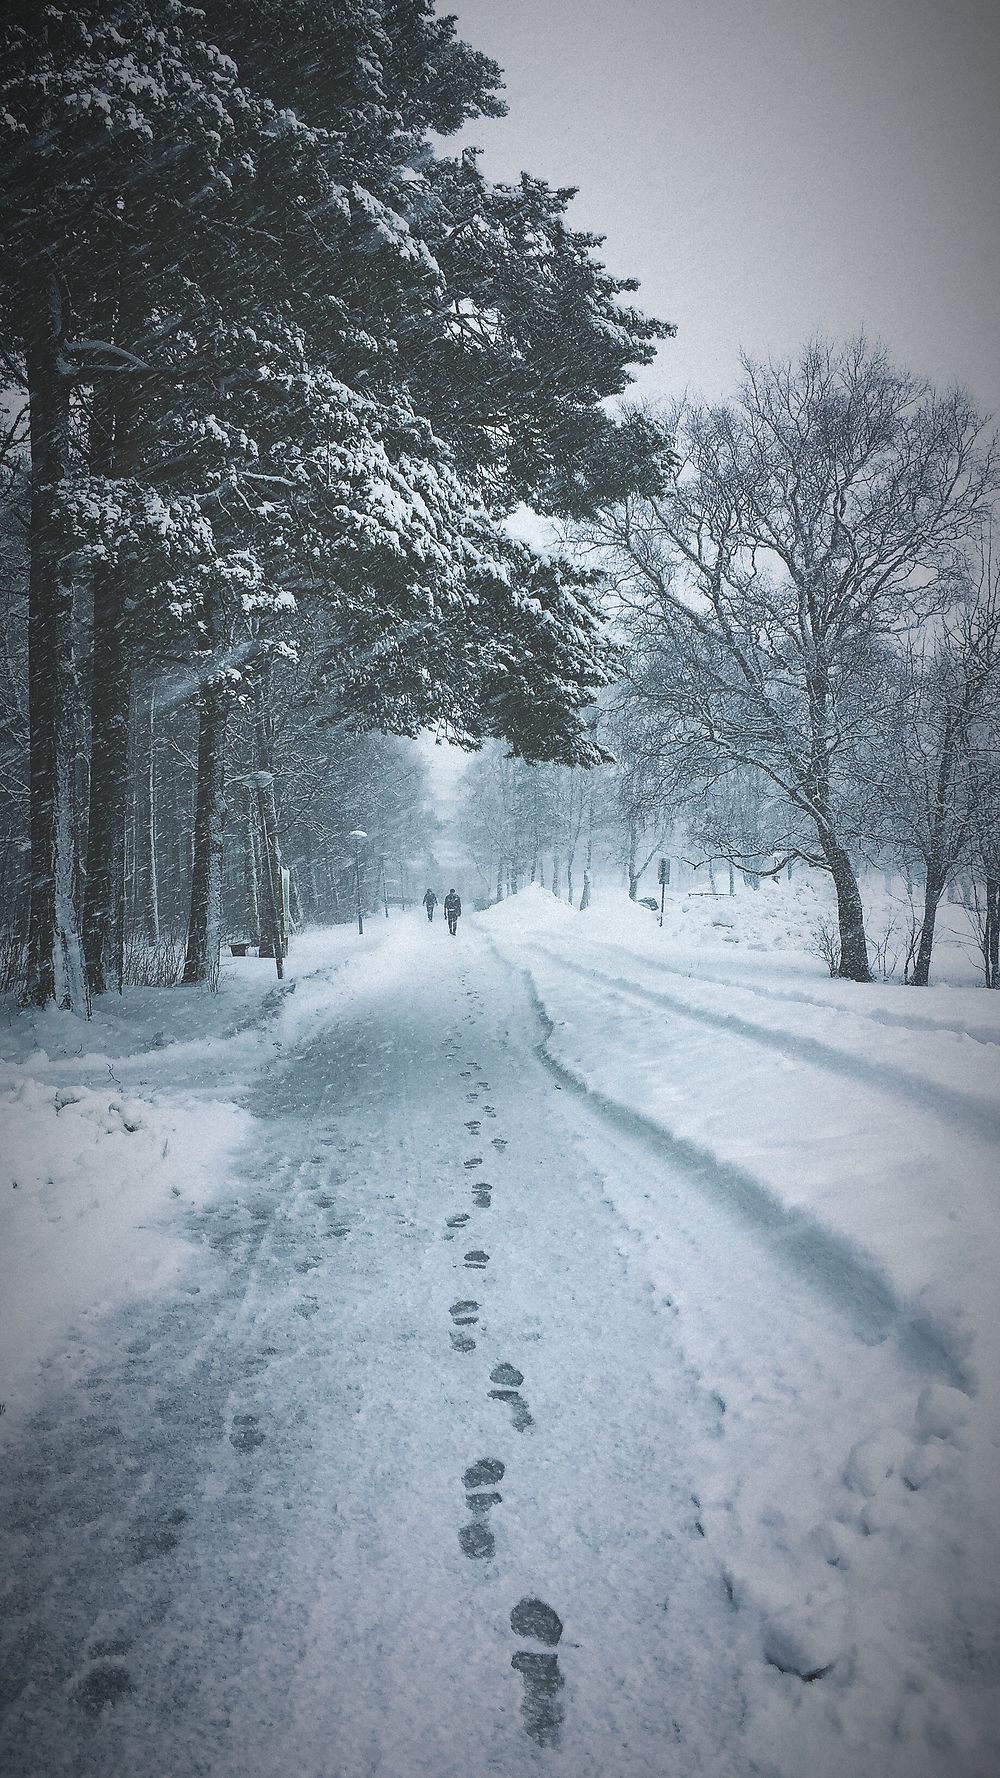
(357, 834)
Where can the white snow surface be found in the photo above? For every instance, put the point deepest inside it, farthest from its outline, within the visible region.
(730, 1256)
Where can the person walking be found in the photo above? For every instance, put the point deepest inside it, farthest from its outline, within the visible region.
(430, 903)
(452, 909)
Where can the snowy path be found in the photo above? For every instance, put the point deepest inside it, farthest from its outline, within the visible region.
(458, 1341)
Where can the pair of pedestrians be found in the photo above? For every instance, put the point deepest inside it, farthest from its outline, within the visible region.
(452, 908)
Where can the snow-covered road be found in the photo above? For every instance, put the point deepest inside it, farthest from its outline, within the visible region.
(462, 1342)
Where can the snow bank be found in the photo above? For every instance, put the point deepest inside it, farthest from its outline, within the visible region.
(91, 1180)
(855, 1125)
(112, 1129)
(833, 1143)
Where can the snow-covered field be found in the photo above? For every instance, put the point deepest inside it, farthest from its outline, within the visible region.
(692, 1250)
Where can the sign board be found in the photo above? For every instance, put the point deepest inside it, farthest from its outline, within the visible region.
(663, 875)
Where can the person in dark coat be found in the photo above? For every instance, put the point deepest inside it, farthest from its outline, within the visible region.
(430, 903)
(452, 909)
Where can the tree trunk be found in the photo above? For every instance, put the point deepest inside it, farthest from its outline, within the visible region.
(110, 710)
(937, 862)
(933, 891)
(55, 960)
(205, 924)
(991, 934)
(110, 701)
(633, 850)
(854, 964)
(146, 846)
(274, 940)
(251, 873)
(201, 963)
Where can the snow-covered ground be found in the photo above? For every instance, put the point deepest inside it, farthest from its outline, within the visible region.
(647, 1275)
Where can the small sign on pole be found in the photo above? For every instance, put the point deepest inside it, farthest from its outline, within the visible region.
(664, 876)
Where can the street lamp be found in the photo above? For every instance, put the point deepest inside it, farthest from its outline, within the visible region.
(357, 834)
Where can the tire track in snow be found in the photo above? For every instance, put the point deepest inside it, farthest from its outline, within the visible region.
(831, 1265)
(875, 1015)
(946, 1102)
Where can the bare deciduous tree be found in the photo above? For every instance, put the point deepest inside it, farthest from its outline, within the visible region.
(805, 523)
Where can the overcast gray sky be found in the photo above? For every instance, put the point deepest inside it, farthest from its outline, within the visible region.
(770, 168)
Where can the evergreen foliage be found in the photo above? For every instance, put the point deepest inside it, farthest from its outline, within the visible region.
(279, 352)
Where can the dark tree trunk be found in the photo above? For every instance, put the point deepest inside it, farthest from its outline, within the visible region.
(274, 939)
(54, 960)
(937, 862)
(111, 696)
(201, 962)
(933, 891)
(110, 708)
(251, 873)
(633, 874)
(991, 935)
(149, 891)
(854, 964)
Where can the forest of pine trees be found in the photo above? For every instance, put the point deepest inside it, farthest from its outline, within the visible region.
(277, 369)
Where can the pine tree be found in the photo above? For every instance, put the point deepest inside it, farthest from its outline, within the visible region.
(277, 351)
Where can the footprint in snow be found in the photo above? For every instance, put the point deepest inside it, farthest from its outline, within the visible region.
(473, 1098)
(485, 1473)
(509, 1379)
(158, 1539)
(498, 1143)
(482, 1195)
(489, 1110)
(105, 1684)
(475, 1160)
(466, 1074)
(484, 1084)
(464, 1313)
(542, 1707)
(453, 1223)
(246, 1434)
(473, 1126)
(476, 1260)
(481, 1496)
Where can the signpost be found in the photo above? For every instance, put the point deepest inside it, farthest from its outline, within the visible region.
(664, 877)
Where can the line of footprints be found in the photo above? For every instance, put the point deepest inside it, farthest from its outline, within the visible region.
(532, 1619)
